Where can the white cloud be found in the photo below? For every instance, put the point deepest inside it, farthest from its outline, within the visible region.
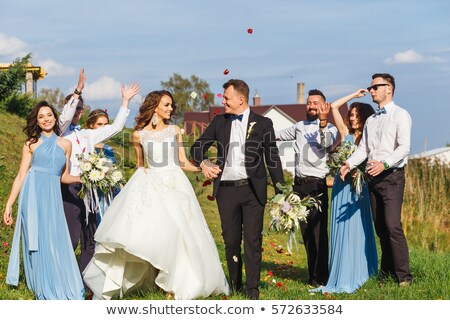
(338, 90)
(11, 46)
(411, 56)
(105, 88)
(55, 69)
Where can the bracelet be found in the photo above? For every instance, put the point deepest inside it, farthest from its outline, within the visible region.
(77, 92)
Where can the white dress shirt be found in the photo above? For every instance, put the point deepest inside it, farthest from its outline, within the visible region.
(386, 136)
(66, 116)
(235, 163)
(84, 141)
(311, 153)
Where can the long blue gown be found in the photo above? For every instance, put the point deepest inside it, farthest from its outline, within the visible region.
(353, 253)
(51, 269)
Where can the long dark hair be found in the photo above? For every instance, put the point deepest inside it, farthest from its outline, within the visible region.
(364, 111)
(148, 107)
(32, 129)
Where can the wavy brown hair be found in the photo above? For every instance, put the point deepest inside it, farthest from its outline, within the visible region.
(32, 129)
(363, 111)
(93, 116)
(148, 107)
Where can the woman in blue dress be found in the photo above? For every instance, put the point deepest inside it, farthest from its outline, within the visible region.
(51, 269)
(353, 254)
(97, 119)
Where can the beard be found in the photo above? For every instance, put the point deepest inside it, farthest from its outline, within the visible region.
(311, 117)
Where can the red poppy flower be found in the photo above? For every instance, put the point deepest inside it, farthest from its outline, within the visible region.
(250, 30)
(210, 198)
(206, 183)
(226, 71)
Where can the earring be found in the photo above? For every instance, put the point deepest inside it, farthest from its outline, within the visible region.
(155, 119)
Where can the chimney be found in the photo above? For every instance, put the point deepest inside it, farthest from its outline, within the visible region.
(256, 100)
(300, 93)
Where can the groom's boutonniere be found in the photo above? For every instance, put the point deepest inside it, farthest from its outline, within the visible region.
(250, 128)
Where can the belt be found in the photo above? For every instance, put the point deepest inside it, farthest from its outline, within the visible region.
(235, 183)
(390, 170)
(300, 180)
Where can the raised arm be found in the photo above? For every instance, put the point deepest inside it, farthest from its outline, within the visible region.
(69, 108)
(342, 128)
(18, 181)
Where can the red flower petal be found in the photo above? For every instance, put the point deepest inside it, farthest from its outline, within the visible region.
(84, 149)
(219, 95)
(216, 112)
(272, 244)
(250, 30)
(78, 141)
(270, 273)
(206, 183)
(262, 249)
(205, 96)
(5, 244)
(279, 284)
(210, 198)
(226, 71)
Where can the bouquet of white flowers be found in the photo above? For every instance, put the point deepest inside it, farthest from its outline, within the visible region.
(97, 174)
(287, 209)
(338, 157)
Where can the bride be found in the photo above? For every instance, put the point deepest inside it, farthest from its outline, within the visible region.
(154, 231)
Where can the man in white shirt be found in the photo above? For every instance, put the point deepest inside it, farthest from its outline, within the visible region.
(83, 142)
(386, 143)
(314, 139)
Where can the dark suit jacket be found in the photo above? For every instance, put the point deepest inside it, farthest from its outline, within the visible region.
(260, 145)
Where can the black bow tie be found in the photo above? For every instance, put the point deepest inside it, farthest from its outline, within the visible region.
(236, 117)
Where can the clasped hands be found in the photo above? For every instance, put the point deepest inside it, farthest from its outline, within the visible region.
(209, 169)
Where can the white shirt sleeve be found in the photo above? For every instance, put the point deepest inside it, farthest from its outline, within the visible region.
(106, 132)
(66, 116)
(286, 134)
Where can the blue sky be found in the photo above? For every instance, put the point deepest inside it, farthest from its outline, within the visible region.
(334, 46)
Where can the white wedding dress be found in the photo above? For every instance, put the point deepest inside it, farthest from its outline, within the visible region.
(156, 222)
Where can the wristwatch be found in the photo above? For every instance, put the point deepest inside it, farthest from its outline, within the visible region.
(386, 166)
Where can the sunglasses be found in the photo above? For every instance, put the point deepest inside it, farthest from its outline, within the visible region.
(375, 86)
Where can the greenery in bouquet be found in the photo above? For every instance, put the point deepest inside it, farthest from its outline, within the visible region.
(287, 210)
(336, 160)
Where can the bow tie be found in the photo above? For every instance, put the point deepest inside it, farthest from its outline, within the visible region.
(311, 122)
(380, 111)
(236, 117)
(73, 127)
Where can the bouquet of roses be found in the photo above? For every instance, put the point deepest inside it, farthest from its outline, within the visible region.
(287, 209)
(338, 157)
(99, 178)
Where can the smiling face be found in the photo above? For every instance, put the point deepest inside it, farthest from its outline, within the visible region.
(354, 120)
(46, 119)
(233, 101)
(312, 106)
(164, 108)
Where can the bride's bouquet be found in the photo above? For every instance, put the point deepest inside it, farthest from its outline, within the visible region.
(287, 210)
(338, 157)
(99, 178)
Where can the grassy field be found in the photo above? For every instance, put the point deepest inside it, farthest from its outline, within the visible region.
(283, 276)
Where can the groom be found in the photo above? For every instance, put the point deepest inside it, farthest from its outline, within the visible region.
(244, 140)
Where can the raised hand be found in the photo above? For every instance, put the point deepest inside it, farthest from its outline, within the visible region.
(130, 92)
(81, 80)
(324, 110)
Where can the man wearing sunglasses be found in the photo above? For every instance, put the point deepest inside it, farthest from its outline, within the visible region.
(386, 143)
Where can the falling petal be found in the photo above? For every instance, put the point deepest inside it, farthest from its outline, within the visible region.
(226, 71)
(206, 183)
(210, 198)
(280, 250)
(219, 95)
(205, 96)
(193, 94)
(5, 244)
(250, 30)
(216, 112)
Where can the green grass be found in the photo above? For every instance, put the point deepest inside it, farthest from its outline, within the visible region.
(429, 265)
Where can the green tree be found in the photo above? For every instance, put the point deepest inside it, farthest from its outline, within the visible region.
(12, 79)
(190, 94)
(54, 97)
